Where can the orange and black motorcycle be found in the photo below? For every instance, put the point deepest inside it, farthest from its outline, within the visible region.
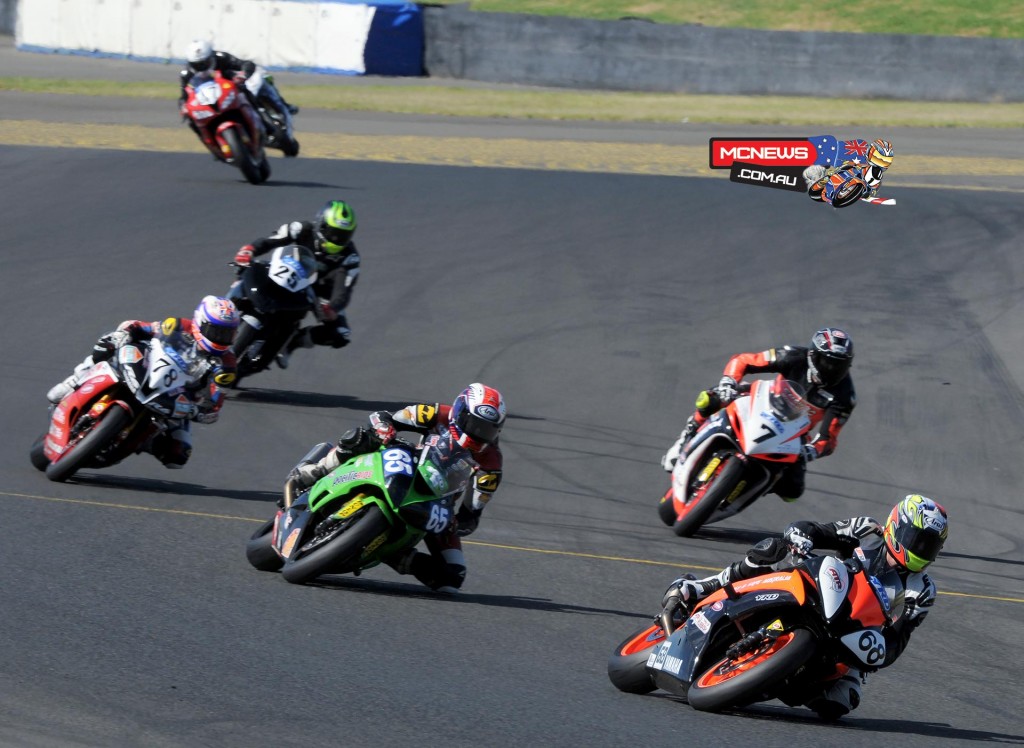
(782, 635)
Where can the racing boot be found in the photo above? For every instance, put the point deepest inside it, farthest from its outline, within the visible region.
(668, 460)
(840, 697)
(59, 391)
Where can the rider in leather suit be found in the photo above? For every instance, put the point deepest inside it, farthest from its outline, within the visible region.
(911, 539)
(823, 367)
(473, 422)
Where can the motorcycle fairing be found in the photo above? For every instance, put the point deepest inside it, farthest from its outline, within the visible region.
(760, 432)
(91, 397)
(714, 434)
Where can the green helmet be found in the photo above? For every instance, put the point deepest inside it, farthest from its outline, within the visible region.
(334, 226)
(915, 532)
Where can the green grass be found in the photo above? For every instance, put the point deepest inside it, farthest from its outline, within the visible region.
(995, 18)
(424, 98)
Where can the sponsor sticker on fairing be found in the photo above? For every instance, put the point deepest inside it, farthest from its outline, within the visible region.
(701, 621)
(351, 476)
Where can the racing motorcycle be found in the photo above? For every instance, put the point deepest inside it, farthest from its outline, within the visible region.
(366, 510)
(273, 296)
(737, 455)
(277, 120)
(228, 124)
(121, 404)
(841, 188)
(782, 635)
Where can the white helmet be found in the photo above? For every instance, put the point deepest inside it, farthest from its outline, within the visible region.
(200, 55)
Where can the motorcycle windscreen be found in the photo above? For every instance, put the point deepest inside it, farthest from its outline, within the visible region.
(444, 467)
(270, 298)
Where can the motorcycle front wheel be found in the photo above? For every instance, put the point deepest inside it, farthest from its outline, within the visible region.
(259, 551)
(338, 554)
(627, 667)
(730, 682)
(110, 424)
(722, 485)
(242, 158)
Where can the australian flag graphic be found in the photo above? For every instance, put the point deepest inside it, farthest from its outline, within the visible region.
(832, 152)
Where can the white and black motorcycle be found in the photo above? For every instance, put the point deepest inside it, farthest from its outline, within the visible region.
(274, 296)
(737, 455)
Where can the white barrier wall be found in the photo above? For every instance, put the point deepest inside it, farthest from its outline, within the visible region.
(325, 36)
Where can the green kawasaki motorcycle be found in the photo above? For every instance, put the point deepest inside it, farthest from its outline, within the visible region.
(368, 509)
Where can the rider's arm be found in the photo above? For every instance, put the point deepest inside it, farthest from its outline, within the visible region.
(834, 419)
(343, 280)
(138, 329)
(773, 360)
(421, 418)
(228, 64)
(842, 536)
(289, 233)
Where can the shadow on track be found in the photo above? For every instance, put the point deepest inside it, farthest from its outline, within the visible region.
(149, 485)
(938, 730)
(419, 592)
(314, 400)
(305, 185)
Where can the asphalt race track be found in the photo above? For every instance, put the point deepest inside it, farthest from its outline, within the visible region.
(599, 304)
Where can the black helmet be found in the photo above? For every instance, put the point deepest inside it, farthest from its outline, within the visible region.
(334, 226)
(829, 357)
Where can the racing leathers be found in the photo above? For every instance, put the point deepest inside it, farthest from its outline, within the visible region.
(444, 567)
(336, 279)
(841, 693)
(829, 409)
(173, 445)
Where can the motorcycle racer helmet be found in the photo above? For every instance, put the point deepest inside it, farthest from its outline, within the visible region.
(880, 154)
(215, 323)
(199, 55)
(915, 532)
(334, 226)
(829, 357)
(477, 416)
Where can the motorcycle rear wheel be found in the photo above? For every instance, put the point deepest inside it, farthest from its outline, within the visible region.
(259, 551)
(724, 484)
(730, 683)
(627, 667)
(111, 422)
(336, 556)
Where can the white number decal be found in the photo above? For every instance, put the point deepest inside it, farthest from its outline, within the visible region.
(286, 274)
(868, 645)
(438, 519)
(397, 461)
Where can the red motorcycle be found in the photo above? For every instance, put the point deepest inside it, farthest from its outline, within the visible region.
(120, 405)
(227, 124)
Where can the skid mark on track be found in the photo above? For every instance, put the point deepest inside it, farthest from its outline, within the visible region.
(482, 544)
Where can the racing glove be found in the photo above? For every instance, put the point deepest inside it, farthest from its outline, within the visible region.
(244, 256)
(727, 389)
(383, 426)
(919, 598)
(810, 452)
(108, 344)
(799, 544)
(468, 520)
